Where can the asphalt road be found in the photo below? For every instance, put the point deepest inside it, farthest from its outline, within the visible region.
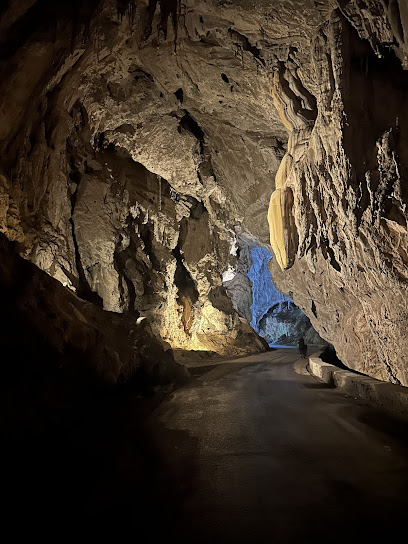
(250, 451)
(247, 452)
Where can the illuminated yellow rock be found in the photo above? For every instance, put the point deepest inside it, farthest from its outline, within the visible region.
(276, 212)
(279, 238)
(276, 228)
(283, 171)
(282, 227)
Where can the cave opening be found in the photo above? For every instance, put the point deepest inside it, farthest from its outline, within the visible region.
(272, 315)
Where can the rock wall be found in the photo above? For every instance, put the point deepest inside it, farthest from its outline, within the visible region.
(135, 138)
(49, 336)
(339, 216)
(254, 296)
(108, 182)
(265, 294)
(236, 281)
(275, 317)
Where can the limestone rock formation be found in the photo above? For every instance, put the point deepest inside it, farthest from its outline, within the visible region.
(48, 335)
(339, 216)
(274, 316)
(265, 294)
(108, 182)
(284, 324)
(136, 137)
(271, 314)
(236, 281)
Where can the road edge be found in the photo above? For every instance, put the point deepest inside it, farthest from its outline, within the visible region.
(390, 397)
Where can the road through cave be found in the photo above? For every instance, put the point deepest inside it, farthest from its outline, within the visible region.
(248, 451)
(265, 454)
(151, 153)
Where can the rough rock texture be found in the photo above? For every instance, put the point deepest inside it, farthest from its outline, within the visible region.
(47, 330)
(284, 323)
(271, 314)
(236, 281)
(254, 296)
(274, 316)
(61, 355)
(108, 182)
(135, 137)
(339, 215)
(265, 294)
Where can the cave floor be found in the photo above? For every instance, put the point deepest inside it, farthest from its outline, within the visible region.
(248, 451)
(260, 453)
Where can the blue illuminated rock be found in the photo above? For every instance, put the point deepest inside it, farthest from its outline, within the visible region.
(264, 293)
(272, 315)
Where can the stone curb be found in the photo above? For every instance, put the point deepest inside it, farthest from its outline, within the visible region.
(392, 398)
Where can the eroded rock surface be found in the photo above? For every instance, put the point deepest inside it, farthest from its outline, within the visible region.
(342, 222)
(136, 136)
(271, 314)
(109, 182)
(49, 335)
(238, 285)
(275, 316)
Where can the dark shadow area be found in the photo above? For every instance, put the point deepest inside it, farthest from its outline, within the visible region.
(98, 470)
(77, 385)
(198, 371)
(318, 386)
(329, 356)
(386, 424)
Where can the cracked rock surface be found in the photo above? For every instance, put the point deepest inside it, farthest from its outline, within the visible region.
(109, 182)
(271, 314)
(136, 137)
(338, 215)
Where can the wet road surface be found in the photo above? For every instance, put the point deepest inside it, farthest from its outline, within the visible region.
(254, 452)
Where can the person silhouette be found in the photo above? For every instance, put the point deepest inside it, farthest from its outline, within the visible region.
(302, 347)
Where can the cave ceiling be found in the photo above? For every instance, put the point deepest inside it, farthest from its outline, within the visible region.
(137, 138)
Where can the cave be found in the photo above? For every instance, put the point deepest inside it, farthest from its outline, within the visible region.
(186, 189)
(271, 314)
